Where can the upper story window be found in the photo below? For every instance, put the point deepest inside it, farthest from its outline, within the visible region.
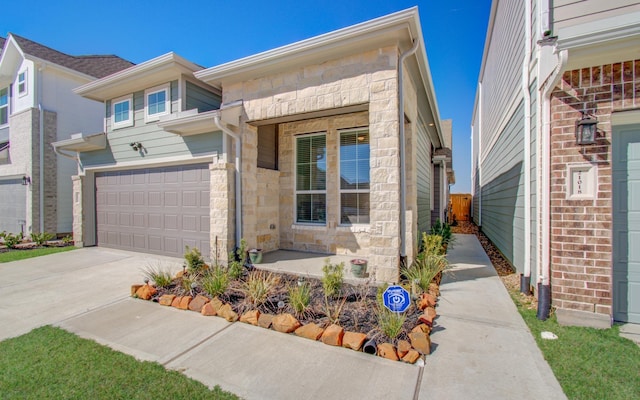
(311, 179)
(354, 177)
(122, 112)
(157, 103)
(22, 83)
(4, 106)
(4, 153)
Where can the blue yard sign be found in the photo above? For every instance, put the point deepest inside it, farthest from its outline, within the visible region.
(396, 299)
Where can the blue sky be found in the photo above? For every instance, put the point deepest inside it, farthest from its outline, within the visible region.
(211, 32)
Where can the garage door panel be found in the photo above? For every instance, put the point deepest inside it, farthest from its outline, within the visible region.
(160, 210)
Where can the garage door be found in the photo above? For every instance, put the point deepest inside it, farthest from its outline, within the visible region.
(154, 210)
(13, 205)
(626, 224)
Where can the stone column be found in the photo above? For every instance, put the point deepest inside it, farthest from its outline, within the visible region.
(78, 219)
(222, 213)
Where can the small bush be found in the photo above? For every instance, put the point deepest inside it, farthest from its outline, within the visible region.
(300, 298)
(259, 286)
(332, 278)
(194, 261)
(237, 260)
(216, 281)
(188, 282)
(67, 239)
(390, 323)
(41, 238)
(11, 240)
(161, 276)
(424, 269)
(432, 244)
(443, 230)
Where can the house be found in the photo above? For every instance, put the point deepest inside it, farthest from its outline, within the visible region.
(559, 203)
(38, 107)
(303, 148)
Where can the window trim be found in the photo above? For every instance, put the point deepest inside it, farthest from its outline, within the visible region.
(5, 106)
(167, 102)
(126, 123)
(356, 191)
(25, 81)
(296, 192)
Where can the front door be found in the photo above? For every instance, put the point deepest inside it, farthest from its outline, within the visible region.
(626, 223)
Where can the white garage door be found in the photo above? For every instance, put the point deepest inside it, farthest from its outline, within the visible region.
(626, 224)
(13, 205)
(154, 210)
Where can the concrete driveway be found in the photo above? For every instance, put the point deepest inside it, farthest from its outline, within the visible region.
(46, 290)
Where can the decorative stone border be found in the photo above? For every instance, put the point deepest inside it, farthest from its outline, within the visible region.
(410, 351)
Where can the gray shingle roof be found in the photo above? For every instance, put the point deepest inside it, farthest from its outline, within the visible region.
(97, 66)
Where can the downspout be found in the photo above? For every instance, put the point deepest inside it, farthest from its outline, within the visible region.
(403, 168)
(544, 280)
(41, 155)
(238, 145)
(525, 278)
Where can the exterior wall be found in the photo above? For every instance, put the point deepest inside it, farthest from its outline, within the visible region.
(503, 191)
(424, 180)
(23, 102)
(200, 99)
(581, 230)
(223, 212)
(367, 78)
(157, 142)
(567, 13)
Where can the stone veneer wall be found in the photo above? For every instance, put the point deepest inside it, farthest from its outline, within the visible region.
(581, 230)
(268, 210)
(223, 211)
(368, 78)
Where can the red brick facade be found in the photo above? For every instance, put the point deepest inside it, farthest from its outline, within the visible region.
(581, 229)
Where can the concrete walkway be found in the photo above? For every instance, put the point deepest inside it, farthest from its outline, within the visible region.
(481, 347)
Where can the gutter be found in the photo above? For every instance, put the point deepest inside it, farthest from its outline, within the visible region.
(238, 182)
(403, 168)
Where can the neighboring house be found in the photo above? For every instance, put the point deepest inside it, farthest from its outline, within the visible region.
(38, 107)
(566, 214)
(295, 148)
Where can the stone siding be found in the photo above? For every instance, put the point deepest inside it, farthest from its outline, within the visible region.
(370, 79)
(223, 211)
(581, 229)
(268, 210)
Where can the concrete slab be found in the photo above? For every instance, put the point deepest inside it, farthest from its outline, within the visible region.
(256, 363)
(306, 264)
(44, 290)
(145, 330)
(631, 332)
(483, 348)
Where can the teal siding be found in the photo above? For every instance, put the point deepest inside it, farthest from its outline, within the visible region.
(423, 154)
(157, 143)
(201, 99)
(503, 191)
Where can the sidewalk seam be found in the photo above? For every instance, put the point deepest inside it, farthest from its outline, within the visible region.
(195, 345)
(416, 393)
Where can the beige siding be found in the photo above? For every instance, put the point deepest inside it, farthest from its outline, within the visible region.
(573, 12)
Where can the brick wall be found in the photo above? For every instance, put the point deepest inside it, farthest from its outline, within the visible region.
(581, 226)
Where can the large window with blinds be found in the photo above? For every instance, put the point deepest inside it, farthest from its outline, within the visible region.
(311, 179)
(354, 177)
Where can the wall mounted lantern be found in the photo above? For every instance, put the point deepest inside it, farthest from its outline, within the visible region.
(26, 180)
(136, 146)
(586, 129)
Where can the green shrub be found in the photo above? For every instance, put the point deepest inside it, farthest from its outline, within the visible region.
(41, 238)
(300, 298)
(389, 322)
(332, 278)
(11, 240)
(193, 260)
(237, 260)
(67, 239)
(161, 276)
(444, 230)
(423, 270)
(259, 286)
(432, 244)
(216, 281)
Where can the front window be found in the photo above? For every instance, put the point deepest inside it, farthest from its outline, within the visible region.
(157, 102)
(4, 106)
(22, 83)
(311, 179)
(122, 112)
(4, 152)
(354, 177)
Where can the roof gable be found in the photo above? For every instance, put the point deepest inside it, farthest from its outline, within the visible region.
(97, 66)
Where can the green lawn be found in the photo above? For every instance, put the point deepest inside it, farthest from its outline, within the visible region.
(50, 363)
(588, 363)
(15, 255)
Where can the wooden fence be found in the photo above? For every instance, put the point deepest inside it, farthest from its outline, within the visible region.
(461, 206)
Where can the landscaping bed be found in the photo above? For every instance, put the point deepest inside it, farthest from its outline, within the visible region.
(327, 309)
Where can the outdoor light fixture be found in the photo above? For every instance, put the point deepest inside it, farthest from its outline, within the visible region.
(26, 180)
(136, 146)
(586, 130)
